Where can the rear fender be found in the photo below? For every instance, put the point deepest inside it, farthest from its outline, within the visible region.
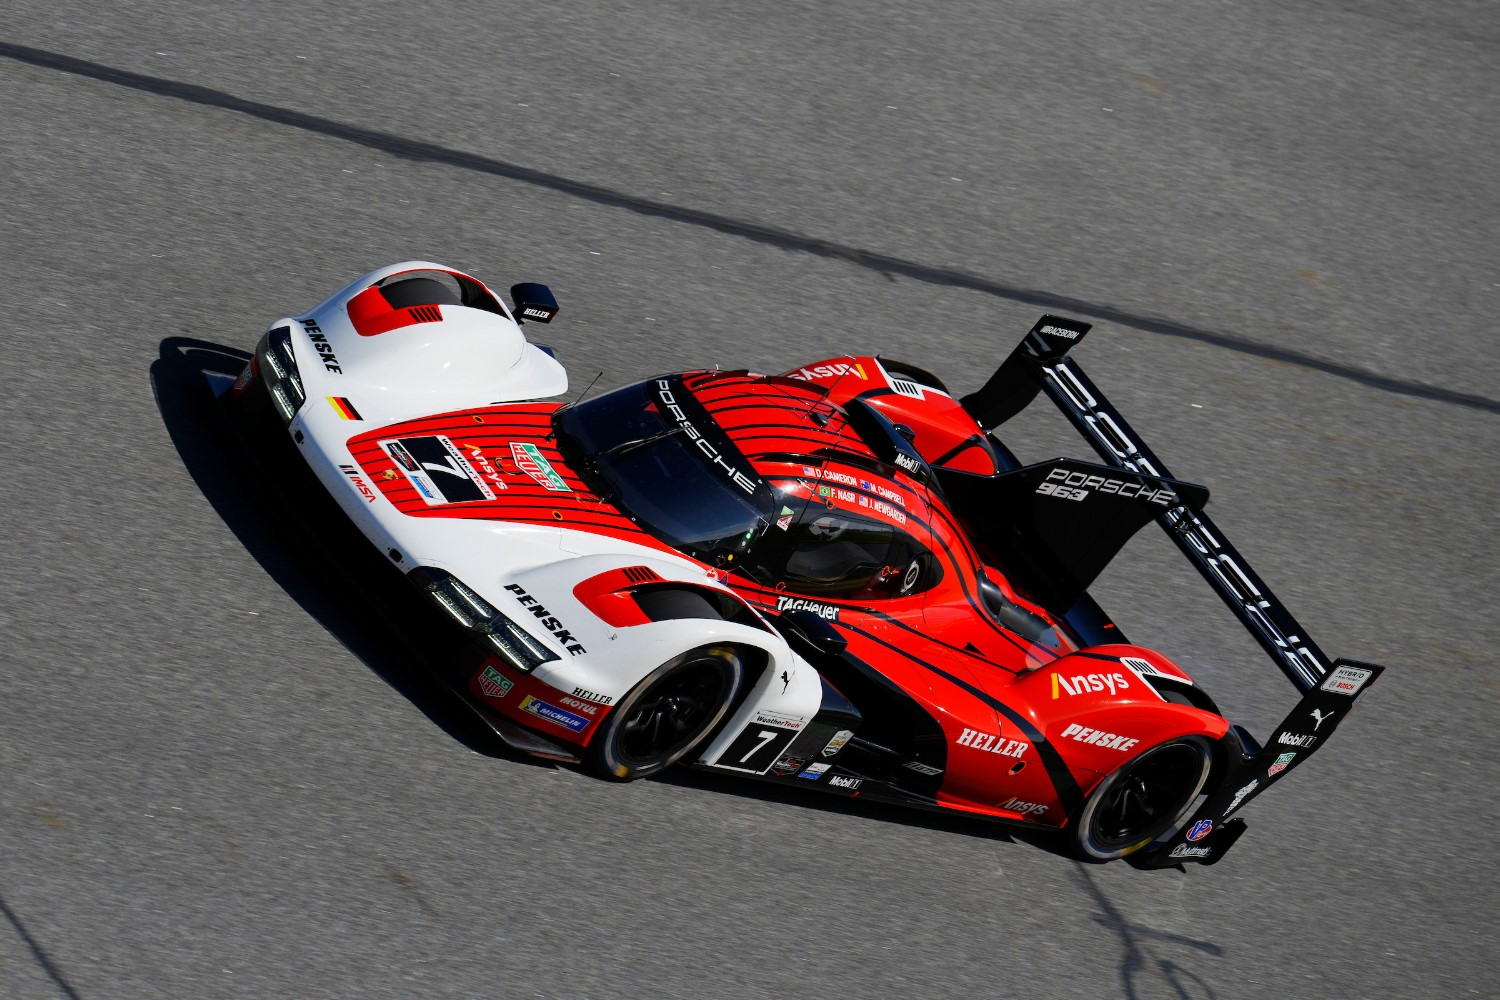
(1097, 741)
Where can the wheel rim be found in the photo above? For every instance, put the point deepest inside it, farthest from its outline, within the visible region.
(674, 712)
(1148, 796)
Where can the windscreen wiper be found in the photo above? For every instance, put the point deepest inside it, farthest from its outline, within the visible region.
(626, 447)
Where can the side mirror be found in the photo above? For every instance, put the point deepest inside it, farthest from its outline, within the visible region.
(533, 301)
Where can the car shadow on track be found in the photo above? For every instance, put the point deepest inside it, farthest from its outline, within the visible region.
(296, 556)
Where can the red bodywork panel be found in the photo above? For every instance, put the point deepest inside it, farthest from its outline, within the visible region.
(1029, 727)
(371, 314)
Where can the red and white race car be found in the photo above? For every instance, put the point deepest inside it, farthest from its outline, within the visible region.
(838, 578)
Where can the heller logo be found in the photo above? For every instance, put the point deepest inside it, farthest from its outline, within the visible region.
(587, 695)
(530, 460)
(991, 743)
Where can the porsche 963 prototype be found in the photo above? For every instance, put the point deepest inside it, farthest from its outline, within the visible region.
(839, 578)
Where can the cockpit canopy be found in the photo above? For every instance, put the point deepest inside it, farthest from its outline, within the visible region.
(653, 451)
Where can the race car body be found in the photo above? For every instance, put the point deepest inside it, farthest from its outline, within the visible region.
(838, 578)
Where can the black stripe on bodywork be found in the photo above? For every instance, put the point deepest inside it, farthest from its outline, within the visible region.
(1068, 792)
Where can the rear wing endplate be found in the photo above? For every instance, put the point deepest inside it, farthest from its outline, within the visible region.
(1041, 362)
(1250, 769)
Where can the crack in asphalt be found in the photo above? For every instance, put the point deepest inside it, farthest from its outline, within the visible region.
(416, 149)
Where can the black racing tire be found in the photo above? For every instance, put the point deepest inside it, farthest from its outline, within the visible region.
(666, 714)
(1144, 799)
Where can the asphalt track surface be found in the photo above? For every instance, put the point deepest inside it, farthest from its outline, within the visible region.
(218, 778)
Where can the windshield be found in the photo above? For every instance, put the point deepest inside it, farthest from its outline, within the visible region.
(652, 451)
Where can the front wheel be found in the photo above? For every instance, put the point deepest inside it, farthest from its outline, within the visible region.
(1142, 800)
(667, 714)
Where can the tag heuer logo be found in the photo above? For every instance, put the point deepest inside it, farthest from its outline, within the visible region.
(530, 460)
(494, 684)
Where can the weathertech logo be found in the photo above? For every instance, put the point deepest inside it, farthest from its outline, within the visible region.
(990, 743)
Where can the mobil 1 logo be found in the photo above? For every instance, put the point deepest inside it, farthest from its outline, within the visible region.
(759, 745)
(437, 470)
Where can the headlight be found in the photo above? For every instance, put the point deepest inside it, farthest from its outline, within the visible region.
(278, 365)
(510, 641)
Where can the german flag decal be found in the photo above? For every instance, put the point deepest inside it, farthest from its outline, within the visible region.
(344, 407)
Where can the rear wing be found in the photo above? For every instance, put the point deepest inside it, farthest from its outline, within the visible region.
(1040, 363)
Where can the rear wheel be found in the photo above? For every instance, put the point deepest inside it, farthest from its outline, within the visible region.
(1142, 800)
(667, 714)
